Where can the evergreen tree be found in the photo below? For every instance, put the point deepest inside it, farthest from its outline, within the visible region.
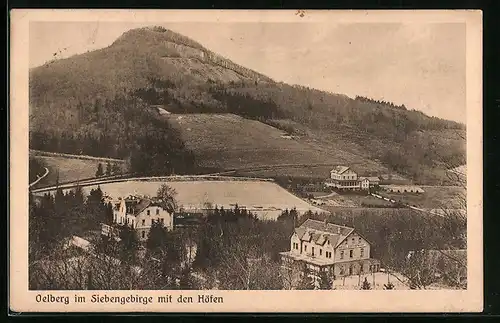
(108, 169)
(95, 197)
(129, 243)
(157, 238)
(115, 169)
(99, 171)
(109, 214)
(325, 280)
(366, 285)
(306, 282)
(186, 281)
(389, 286)
(79, 197)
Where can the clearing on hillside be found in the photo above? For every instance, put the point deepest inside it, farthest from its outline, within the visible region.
(228, 141)
(433, 197)
(69, 169)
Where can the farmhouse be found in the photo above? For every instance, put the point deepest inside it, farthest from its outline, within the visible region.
(140, 214)
(371, 181)
(344, 178)
(331, 248)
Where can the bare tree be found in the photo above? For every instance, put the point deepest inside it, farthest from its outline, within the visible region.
(167, 195)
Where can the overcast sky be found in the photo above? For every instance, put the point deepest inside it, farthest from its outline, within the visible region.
(419, 65)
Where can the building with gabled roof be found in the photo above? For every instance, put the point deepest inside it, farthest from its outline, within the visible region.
(140, 213)
(343, 178)
(335, 249)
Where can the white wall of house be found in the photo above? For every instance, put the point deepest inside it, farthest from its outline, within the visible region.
(145, 219)
(295, 246)
(120, 216)
(345, 176)
(354, 247)
(311, 249)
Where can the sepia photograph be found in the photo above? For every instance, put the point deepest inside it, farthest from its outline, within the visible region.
(247, 153)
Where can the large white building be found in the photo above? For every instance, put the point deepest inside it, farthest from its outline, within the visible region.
(335, 249)
(140, 213)
(344, 178)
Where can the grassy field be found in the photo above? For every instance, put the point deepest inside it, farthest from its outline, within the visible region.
(227, 141)
(434, 197)
(68, 169)
(264, 198)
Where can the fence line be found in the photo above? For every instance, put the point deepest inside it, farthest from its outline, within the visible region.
(186, 178)
(87, 157)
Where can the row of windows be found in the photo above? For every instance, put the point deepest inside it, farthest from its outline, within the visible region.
(153, 221)
(353, 240)
(351, 253)
(149, 212)
(328, 254)
(128, 221)
(351, 269)
(345, 176)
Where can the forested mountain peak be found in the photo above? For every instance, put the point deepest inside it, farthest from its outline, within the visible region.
(82, 96)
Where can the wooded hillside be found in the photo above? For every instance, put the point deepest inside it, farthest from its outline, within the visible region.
(98, 103)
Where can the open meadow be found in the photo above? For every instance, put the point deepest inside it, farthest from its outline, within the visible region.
(228, 141)
(66, 169)
(433, 197)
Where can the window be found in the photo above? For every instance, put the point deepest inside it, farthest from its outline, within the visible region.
(162, 221)
(152, 221)
(157, 211)
(305, 247)
(143, 222)
(143, 233)
(132, 223)
(312, 251)
(351, 253)
(359, 239)
(342, 254)
(320, 252)
(362, 254)
(149, 212)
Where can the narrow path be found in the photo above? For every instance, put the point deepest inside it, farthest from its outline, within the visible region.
(39, 178)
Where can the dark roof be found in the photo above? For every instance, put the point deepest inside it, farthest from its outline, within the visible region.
(319, 232)
(141, 206)
(340, 169)
(326, 227)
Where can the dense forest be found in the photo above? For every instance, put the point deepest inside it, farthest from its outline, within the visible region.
(122, 128)
(229, 249)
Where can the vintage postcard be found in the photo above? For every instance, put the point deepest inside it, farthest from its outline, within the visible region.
(246, 161)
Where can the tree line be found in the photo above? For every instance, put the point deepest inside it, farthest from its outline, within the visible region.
(123, 128)
(230, 249)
